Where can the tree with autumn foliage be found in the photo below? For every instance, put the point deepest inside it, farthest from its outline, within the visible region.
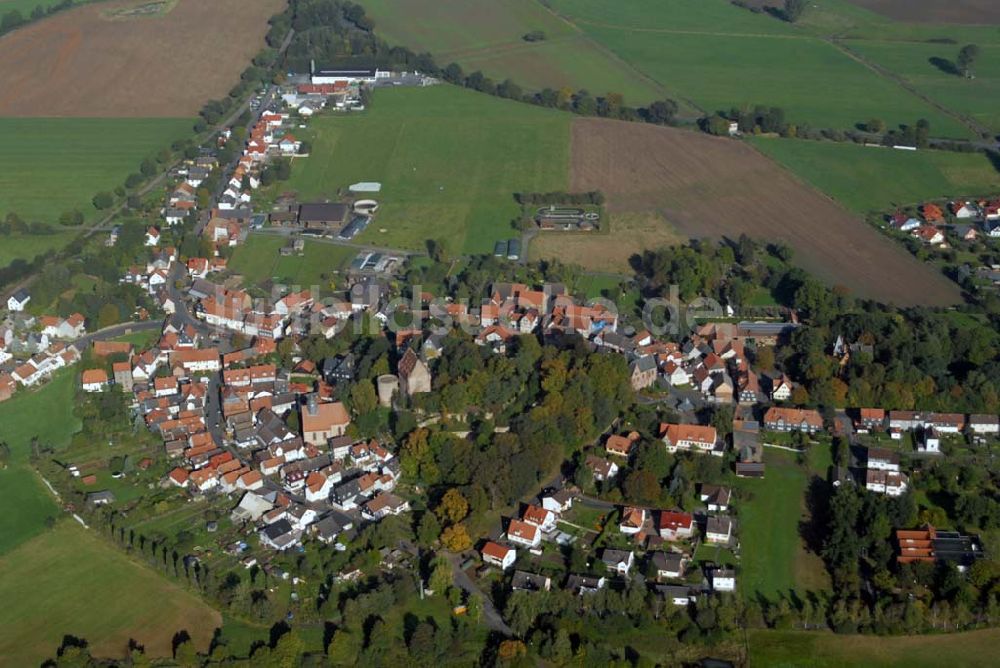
(456, 538)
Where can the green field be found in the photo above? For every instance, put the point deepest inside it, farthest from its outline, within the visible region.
(449, 161)
(23, 493)
(68, 581)
(488, 35)
(801, 649)
(27, 246)
(258, 261)
(720, 56)
(978, 98)
(46, 413)
(52, 165)
(774, 561)
(875, 179)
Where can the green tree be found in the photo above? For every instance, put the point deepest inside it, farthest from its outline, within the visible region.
(967, 56)
(429, 529)
(103, 200)
(363, 398)
(794, 9)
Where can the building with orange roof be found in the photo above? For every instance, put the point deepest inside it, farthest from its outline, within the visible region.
(691, 437)
(498, 555)
(94, 380)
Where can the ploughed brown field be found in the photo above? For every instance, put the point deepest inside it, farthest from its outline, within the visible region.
(969, 12)
(714, 187)
(93, 61)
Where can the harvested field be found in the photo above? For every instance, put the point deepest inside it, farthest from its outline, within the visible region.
(969, 12)
(712, 187)
(92, 62)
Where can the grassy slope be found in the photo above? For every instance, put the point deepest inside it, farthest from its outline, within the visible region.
(449, 161)
(873, 179)
(785, 649)
(51, 165)
(487, 35)
(46, 413)
(722, 56)
(68, 581)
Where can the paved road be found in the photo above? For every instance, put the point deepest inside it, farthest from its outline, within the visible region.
(490, 614)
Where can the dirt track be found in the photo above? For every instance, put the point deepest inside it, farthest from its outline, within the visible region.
(969, 12)
(714, 187)
(79, 63)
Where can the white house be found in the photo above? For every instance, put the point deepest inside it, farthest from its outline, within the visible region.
(152, 237)
(618, 561)
(523, 533)
(723, 579)
(539, 517)
(929, 442)
(558, 502)
(18, 300)
(498, 555)
(718, 530)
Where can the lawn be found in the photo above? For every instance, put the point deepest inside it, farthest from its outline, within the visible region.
(258, 261)
(68, 581)
(874, 179)
(52, 165)
(488, 35)
(774, 561)
(449, 160)
(978, 98)
(784, 649)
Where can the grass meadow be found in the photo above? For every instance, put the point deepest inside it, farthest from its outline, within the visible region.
(449, 161)
(488, 35)
(47, 414)
(926, 66)
(258, 261)
(867, 179)
(774, 561)
(722, 71)
(52, 165)
(69, 581)
(804, 649)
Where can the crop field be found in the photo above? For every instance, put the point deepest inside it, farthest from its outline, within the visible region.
(868, 179)
(712, 187)
(973, 12)
(488, 35)
(68, 581)
(449, 160)
(89, 61)
(51, 165)
(802, 649)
